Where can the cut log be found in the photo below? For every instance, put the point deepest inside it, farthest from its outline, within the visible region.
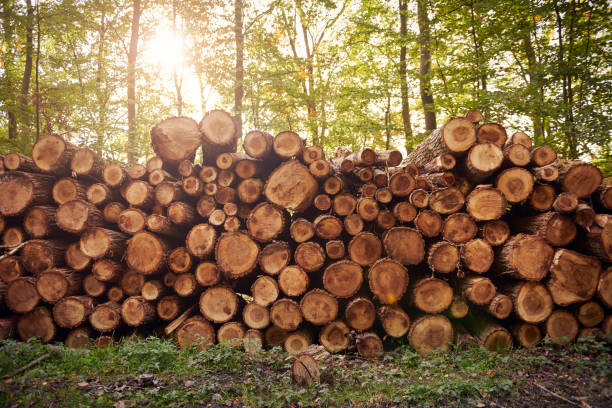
(543, 156)
(106, 317)
(542, 198)
(113, 175)
(320, 169)
(473, 116)
(519, 138)
(388, 280)
(486, 203)
(301, 230)
(365, 248)
(256, 316)
(516, 155)
(431, 333)
(231, 243)
(163, 226)
(39, 221)
(293, 281)
(249, 190)
(179, 260)
(99, 194)
(131, 283)
(152, 290)
(264, 291)
(443, 162)
(344, 204)
(298, 341)
(195, 331)
(482, 161)
(459, 228)
(515, 183)
(146, 253)
(107, 270)
(68, 189)
(573, 277)
(219, 304)
(590, 314)
(565, 203)
(369, 345)
(360, 313)
(381, 177)
(491, 133)
(274, 257)
(401, 184)
(132, 220)
(285, 314)
(335, 336)
(192, 186)
(19, 191)
(579, 178)
(185, 285)
(527, 335)
(353, 224)
(431, 295)
(557, 229)
(97, 243)
(291, 186)
(57, 283)
(343, 279)
(169, 307)
(312, 154)
(52, 154)
(479, 290)
(403, 244)
(266, 222)
(477, 255)
(200, 240)
(459, 308)
(335, 249)
(21, 295)
(76, 216)
(288, 144)
(322, 202)
(14, 161)
(115, 294)
(490, 334)
(319, 307)
(368, 190)
(258, 144)
(500, 306)
(168, 192)
(93, 287)
(111, 212)
(404, 212)
(37, 323)
(72, 311)
(395, 321)
(562, 327)
(175, 139)
(333, 185)
(604, 196)
(138, 171)
(428, 223)
(327, 227)
(604, 288)
(524, 257)
(207, 274)
(305, 370)
(10, 269)
(363, 158)
(13, 237)
(253, 341)
(585, 215)
(447, 200)
(598, 241)
(548, 173)
(532, 301)
(443, 257)
(455, 137)
(38, 255)
(208, 174)
(310, 256)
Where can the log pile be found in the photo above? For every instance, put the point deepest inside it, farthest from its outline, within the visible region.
(474, 235)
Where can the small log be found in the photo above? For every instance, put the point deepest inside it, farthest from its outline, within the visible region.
(404, 212)
(500, 306)
(230, 243)
(474, 116)
(285, 314)
(322, 202)
(274, 257)
(388, 280)
(431, 333)
(106, 317)
(519, 138)
(327, 227)
(482, 161)
(585, 215)
(344, 204)
(13, 237)
(293, 281)
(192, 186)
(343, 279)
(138, 171)
(288, 144)
(39, 221)
(57, 283)
(446, 201)
(139, 193)
(431, 295)
(542, 197)
(19, 191)
(208, 174)
(333, 185)
(459, 308)
(562, 327)
(132, 220)
(428, 223)
(543, 156)
(98, 243)
(297, 341)
(136, 311)
(515, 183)
(217, 217)
(169, 307)
(301, 230)
(72, 311)
(76, 216)
(365, 248)
(99, 194)
(312, 154)
(526, 334)
(477, 289)
(182, 214)
(163, 226)
(320, 169)
(258, 144)
(491, 133)
(21, 295)
(256, 316)
(158, 176)
(225, 195)
(524, 257)
(195, 331)
(395, 321)
(152, 290)
(68, 189)
(319, 307)
(310, 256)
(266, 222)
(556, 228)
(353, 224)
(545, 174)
(115, 294)
(335, 336)
(146, 253)
(490, 334)
(305, 370)
(368, 190)
(249, 190)
(573, 277)
(52, 154)
(590, 314)
(207, 274)
(380, 178)
(443, 257)
(444, 162)
(14, 161)
(565, 203)
(516, 155)
(175, 139)
(38, 255)
(10, 269)
(486, 203)
(531, 300)
(37, 323)
(113, 175)
(107, 270)
(185, 285)
(93, 287)
(291, 186)
(264, 290)
(205, 206)
(130, 283)
(459, 228)
(335, 249)
(477, 255)
(111, 212)
(401, 184)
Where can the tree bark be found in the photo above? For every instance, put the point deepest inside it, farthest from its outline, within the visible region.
(425, 67)
(403, 67)
(131, 82)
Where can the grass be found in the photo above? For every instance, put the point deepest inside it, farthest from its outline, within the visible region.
(153, 372)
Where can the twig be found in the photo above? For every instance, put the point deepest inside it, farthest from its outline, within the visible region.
(29, 365)
(562, 398)
(12, 251)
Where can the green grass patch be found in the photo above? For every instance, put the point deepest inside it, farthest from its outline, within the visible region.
(153, 372)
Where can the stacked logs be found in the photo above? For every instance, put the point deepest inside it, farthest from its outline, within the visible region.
(475, 235)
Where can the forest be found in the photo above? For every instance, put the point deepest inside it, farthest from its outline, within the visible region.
(352, 72)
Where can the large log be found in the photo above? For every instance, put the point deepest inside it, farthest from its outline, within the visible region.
(19, 191)
(266, 222)
(175, 139)
(38, 255)
(524, 257)
(291, 186)
(146, 253)
(97, 243)
(573, 277)
(431, 333)
(220, 133)
(343, 279)
(228, 245)
(52, 154)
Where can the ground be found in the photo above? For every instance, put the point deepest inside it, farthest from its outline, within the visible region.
(153, 372)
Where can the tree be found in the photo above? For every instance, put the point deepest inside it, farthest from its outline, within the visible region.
(131, 82)
(403, 9)
(427, 99)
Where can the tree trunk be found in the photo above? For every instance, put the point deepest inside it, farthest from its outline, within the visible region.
(425, 67)
(403, 68)
(131, 82)
(239, 72)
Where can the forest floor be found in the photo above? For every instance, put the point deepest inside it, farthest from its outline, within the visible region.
(153, 372)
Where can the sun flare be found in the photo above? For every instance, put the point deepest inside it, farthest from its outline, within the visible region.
(165, 49)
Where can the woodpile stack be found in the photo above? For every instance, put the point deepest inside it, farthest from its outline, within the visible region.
(474, 235)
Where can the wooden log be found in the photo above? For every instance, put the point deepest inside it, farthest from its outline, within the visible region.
(8, 326)
(298, 341)
(207, 274)
(543, 156)
(291, 186)
(39, 221)
(394, 320)
(598, 240)
(185, 285)
(76, 216)
(431, 295)
(163, 226)
(274, 257)
(353, 224)
(335, 336)
(93, 287)
(310, 256)
(68, 189)
(19, 191)
(288, 144)
(52, 154)
(293, 281)
(404, 212)
(319, 307)
(230, 243)
(258, 144)
(404, 244)
(226, 178)
(320, 169)
(195, 331)
(106, 317)
(249, 190)
(333, 185)
(381, 177)
(99, 194)
(305, 370)
(37, 323)
(477, 255)
(590, 314)
(443, 257)
(604, 287)
(301, 230)
(516, 155)
(225, 195)
(557, 229)
(428, 223)
(368, 190)
(365, 248)
(383, 195)
(477, 289)
(565, 203)
(585, 215)
(515, 183)
(603, 196)
(38, 255)
(490, 334)
(205, 206)
(327, 227)
(542, 197)
(138, 171)
(447, 200)
(10, 268)
(169, 192)
(115, 294)
(491, 133)
(486, 203)
(217, 217)
(344, 204)
(111, 212)
(175, 139)
(256, 316)
(579, 178)
(401, 184)
(130, 283)
(562, 327)
(455, 137)
(524, 257)
(15, 161)
(113, 175)
(72, 311)
(266, 222)
(545, 174)
(459, 228)
(573, 277)
(169, 307)
(388, 280)
(322, 202)
(343, 278)
(431, 333)
(459, 308)
(57, 283)
(146, 253)
(192, 186)
(182, 214)
(264, 290)
(136, 311)
(152, 290)
(132, 220)
(482, 161)
(531, 300)
(98, 243)
(139, 193)
(286, 314)
(312, 154)
(107, 270)
(526, 334)
(444, 162)
(21, 295)
(13, 237)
